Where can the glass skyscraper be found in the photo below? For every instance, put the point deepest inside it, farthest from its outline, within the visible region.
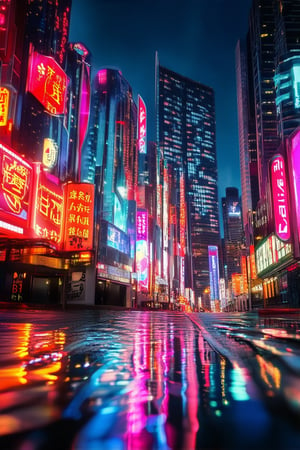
(186, 136)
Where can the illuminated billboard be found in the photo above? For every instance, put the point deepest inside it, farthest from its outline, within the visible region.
(47, 82)
(280, 198)
(4, 106)
(117, 239)
(295, 179)
(78, 216)
(15, 186)
(142, 126)
(234, 209)
(142, 259)
(48, 213)
(50, 153)
(213, 262)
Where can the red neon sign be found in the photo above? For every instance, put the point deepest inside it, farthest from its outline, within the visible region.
(4, 104)
(47, 82)
(142, 125)
(79, 216)
(15, 179)
(48, 212)
(280, 199)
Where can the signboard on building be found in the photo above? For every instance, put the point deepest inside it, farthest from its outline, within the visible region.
(142, 258)
(48, 213)
(78, 216)
(4, 106)
(47, 82)
(15, 190)
(280, 198)
(213, 261)
(142, 126)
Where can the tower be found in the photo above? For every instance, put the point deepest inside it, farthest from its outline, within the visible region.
(186, 136)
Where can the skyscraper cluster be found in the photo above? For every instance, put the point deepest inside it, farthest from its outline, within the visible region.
(92, 212)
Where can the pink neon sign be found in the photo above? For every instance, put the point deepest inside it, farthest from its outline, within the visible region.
(295, 160)
(142, 260)
(142, 125)
(280, 199)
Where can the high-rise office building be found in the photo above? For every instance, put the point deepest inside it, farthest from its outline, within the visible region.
(262, 50)
(247, 133)
(186, 136)
(233, 231)
(110, 161)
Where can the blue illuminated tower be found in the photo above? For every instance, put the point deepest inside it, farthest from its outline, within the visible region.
(186, 136)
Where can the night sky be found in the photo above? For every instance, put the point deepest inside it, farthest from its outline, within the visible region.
(195, 38)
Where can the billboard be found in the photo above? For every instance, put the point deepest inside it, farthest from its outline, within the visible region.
(78, 216)
(48, 213)
(47, 82)
(117, 239)
(4, 106)
(142, 258)
(142, 126)
(280, 198)
(295, 179)
(15, 188)
(234, 209)
(213, 262)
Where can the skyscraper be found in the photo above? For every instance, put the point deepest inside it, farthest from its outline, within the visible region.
(262, 49)
(110, 161)
(186, 136)
(233, 231)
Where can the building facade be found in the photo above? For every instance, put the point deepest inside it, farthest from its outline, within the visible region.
(186, 136)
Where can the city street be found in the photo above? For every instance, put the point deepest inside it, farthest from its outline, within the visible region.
(121, 379)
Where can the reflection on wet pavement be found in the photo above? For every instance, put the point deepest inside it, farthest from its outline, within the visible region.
(144, 380)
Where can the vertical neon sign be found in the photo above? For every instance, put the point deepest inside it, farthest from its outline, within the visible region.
(4, 105)
(280, 200)
(142, 131)
(295, 168)
(79, 216)
(213, 261)
(142, 262)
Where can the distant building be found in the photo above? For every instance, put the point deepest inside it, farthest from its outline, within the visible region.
(233, 232)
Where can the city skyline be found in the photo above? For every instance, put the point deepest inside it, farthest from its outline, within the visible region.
(194, 41)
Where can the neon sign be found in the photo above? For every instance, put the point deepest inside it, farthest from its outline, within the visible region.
(79, 216)
(142, 261)
(280, 200)
(213, 262)
(50, 152)
(142, 126)
(295, 167)
(47, 219)
(15, 179)
(4, 104)
(47, 82)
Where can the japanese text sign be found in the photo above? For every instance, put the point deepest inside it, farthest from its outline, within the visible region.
(47, 82)
(49, 208)
(79, 216)
(4, 105)
(15, 180)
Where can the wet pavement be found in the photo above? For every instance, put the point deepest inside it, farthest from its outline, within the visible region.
(99, 379)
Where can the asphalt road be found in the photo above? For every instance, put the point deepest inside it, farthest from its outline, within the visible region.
(99, 379)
